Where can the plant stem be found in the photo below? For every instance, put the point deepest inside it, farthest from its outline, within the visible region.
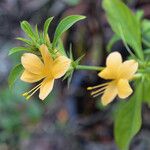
(137, 76)
(83, 67)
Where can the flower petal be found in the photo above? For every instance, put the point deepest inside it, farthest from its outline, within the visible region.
(109, 94)
(114, 60)
(107, 74)
(46, 88)
(124, 89)
(32, 63)
(30, 77)
(60, 66)
(128, 69)
(46, 55)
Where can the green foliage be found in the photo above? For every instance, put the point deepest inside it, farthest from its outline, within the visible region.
(112, 41)
(139, 15)
(26, 41)
(61, 48)
(18, 49)
(36, 38)
(64, 25)
(14, 74)
(74, 64)
(46, 25)
(146, 32)
(128, 119)
(120, 16)
(26, 27)
(146, 88)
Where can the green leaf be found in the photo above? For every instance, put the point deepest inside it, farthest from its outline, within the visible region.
(14, 74)
(70, 78)
(37, 32)
(146, 32)
(119, 15)
(61, 48)
(139, 14)
(24, 40)
(47, 24)
(17, 49)
(128, 119)
(146, 89)
(26, 27)
(64, 25)
(146, 28)
(147, 51)
(112, 41)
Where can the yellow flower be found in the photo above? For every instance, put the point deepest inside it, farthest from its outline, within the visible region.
(119, 73)
(46, 70)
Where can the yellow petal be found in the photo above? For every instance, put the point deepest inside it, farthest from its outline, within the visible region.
(124, 89)
(109, 94)
(113, 60)
(32, 63)
(30, 77)
(46, 88)
(46, 55)
(128, 69)
(107, 74)
(60, 66)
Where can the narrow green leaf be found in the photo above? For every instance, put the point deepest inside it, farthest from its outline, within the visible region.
(14, 74)
(37, 32)
(147, 51)
(24, 40)
(146, 28)
(146, 33)
(60, 47)
(119, 15)
(128, 119)
(26, 27)
(64, 25)
(17, 49)
(115, 38)
(139, 15)
(47, 24)
(79, 59)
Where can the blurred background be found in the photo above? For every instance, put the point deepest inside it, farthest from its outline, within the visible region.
(69, 119)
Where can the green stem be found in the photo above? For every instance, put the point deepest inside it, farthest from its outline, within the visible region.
(83, 67)
(137, 76)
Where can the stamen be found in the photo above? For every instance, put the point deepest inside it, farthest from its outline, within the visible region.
(28, 97)
(25, 94)
(99, 90)
(98, 94)
(32, 91)
(97, 86)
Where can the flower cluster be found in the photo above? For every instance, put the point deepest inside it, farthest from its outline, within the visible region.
(47, 61)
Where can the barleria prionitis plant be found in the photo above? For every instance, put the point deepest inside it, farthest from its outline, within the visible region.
(46, 60)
